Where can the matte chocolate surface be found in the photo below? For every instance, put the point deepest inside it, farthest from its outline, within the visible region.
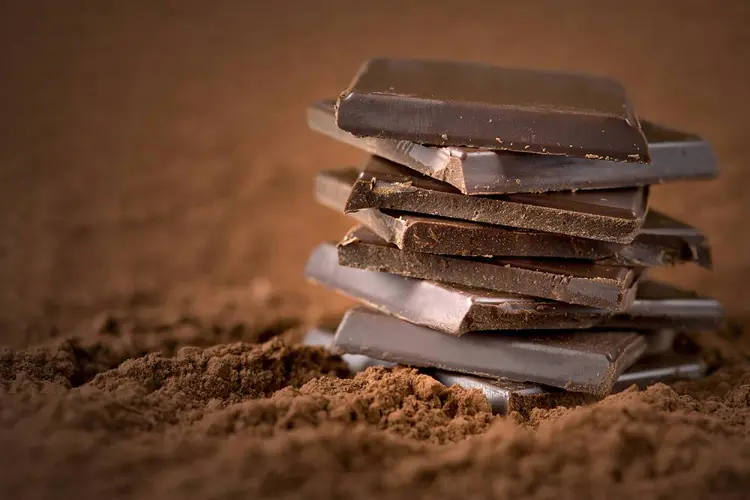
(468, 104)
(582, 361)
(675, 156)
(613, 215)
(572, 281)
(456, 309)
(661, 240)
(506, 396)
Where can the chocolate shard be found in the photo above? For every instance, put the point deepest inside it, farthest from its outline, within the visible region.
(613, 215)
(661, 241)
(506, 396)
(467, 104)
(571, 281)
(675, 156)
(456, 309)
(581, 361)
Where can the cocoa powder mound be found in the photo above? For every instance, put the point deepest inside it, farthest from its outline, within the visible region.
(399, 400)
(273, 420)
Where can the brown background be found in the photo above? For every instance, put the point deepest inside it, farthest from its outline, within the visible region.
(148, 146)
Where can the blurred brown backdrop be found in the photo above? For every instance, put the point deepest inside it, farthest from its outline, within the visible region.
(147, 146)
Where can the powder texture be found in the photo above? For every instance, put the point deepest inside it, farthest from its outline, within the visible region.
(91, 416)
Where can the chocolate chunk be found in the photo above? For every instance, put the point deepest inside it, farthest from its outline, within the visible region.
(661, 240)
(582, 361)
(571, 281)
(613, 215)
(467, 104)
(456, 310)
(674, 156)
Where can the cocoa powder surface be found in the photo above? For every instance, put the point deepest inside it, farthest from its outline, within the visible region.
(87, 416)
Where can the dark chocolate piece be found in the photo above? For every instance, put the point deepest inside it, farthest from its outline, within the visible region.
(613, 215)
(572, 281)
(675, 156)
(661, 240)
(456, 309)
(506, 396)
(468, 104)
(582, 361)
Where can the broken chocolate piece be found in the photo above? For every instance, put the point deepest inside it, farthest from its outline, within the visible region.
(661, 240)
(506, 396)
(572, 281)
(468, 104)
(613, 215)
(456, 309)
(582, 361)
(675, 156)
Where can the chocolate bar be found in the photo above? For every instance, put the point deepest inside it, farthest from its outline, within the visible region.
(456, 309)
(571, 281)
(613, 215)
(661, 240)
(506, 396)
(675, 156)
(582, 361)
(467, 104)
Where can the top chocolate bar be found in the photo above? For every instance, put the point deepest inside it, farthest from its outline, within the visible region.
(445, 103)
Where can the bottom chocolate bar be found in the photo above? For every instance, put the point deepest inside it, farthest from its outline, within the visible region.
(506, 396)
(583, 361)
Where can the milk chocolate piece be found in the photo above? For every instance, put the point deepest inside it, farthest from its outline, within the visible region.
(506, 396)
(661, 240)
(467, 104)
(582, 361)
(613, 215)
(675, 156)
(456, 309)
(571, 281)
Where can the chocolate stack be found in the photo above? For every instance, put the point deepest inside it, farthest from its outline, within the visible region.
(504, 233)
